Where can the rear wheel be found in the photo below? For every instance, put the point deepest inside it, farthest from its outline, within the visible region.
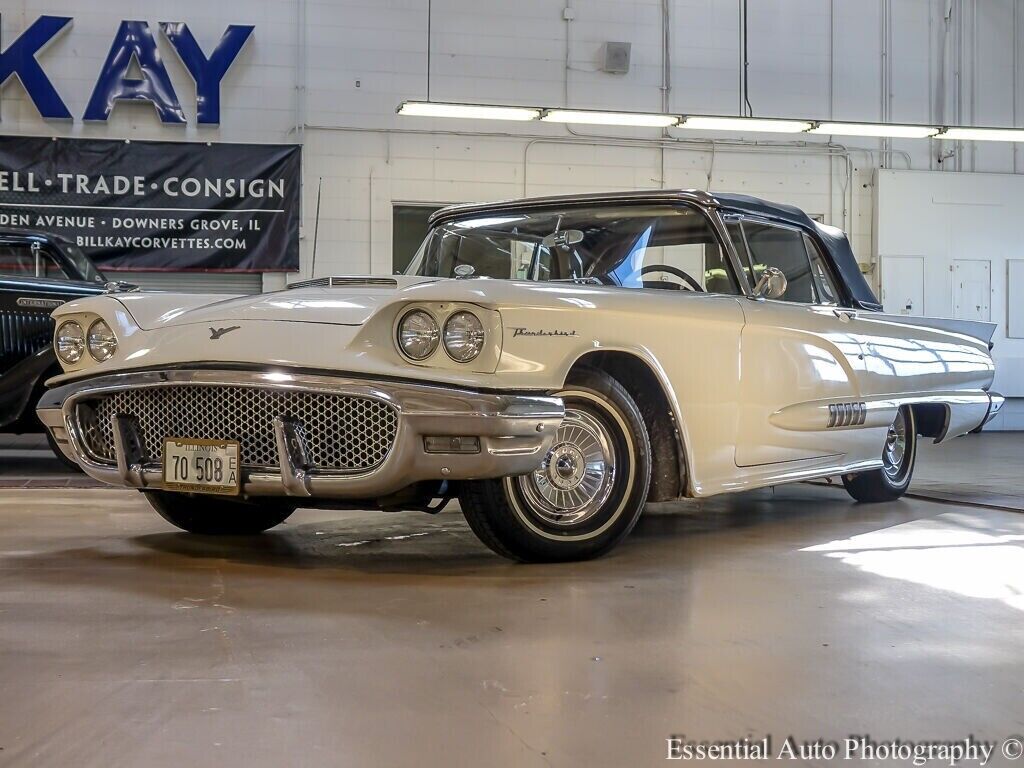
(898, 456)
(215, 515)
(588, 492)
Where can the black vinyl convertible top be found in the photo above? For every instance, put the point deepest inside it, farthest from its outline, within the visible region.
(834, 241)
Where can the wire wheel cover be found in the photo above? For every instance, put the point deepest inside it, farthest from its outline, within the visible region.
(895, 450)
(577, 475)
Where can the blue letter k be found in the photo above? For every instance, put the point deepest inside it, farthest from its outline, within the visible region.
(20, 59)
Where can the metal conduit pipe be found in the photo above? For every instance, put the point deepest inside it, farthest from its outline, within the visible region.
(1016, 67)
(695, 145)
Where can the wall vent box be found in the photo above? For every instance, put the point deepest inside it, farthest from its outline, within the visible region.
(616, 58)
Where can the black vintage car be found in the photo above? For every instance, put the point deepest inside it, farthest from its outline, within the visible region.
(38, 273)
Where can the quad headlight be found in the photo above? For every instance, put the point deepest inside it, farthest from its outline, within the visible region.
(463, 336)
(418, 335)
(101, 341)
(69, 342)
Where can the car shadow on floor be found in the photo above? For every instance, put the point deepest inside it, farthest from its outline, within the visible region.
(413, 543)
(378, 563)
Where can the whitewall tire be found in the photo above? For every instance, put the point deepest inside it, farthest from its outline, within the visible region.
(898, 456)
(589, 490)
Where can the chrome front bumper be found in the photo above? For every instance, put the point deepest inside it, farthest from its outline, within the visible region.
(515, 433)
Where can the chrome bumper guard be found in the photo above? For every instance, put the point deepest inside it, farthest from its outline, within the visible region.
(515, 432)
(995, 403)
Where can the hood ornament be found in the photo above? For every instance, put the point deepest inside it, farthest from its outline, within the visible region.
(119, 286)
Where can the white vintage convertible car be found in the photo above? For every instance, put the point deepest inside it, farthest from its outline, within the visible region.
(552, 363)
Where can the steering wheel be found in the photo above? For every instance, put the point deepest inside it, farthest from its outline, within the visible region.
(675, 272)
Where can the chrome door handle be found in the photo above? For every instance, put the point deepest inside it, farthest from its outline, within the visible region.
(846, 315)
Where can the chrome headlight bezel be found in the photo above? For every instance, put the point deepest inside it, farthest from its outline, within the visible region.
(101, 341)
(431, 334)
(69, 347)
(470, 334)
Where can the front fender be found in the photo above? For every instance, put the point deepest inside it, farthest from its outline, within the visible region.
(689, 343)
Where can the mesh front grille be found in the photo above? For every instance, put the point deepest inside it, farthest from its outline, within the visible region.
(342, 433)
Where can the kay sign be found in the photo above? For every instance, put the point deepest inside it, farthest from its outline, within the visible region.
(133, 43)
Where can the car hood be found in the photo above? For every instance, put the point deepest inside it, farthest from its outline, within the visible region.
(351, 303)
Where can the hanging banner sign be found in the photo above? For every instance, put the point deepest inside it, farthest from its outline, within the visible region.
(149, 205)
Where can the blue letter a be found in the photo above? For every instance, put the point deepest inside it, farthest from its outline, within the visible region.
(20, 59)
(135, 42)
(207, 72)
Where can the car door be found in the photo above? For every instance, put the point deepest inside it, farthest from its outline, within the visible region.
(801, 361)
(25, 305)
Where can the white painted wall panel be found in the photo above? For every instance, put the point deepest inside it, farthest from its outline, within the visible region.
(966, 220)
(807, 58)
(1015, 298)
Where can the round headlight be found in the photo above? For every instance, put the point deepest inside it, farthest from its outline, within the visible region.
(418, 335)
(101, 341)
(70, 342)
(463, 337)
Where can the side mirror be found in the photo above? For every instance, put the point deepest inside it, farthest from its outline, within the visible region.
(771, 285)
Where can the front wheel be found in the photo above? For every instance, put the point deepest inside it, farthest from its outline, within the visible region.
(589, 490)
(898, 456)
(216, 515)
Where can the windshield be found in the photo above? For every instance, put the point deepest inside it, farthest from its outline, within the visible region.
(634, 246)
(82, 263)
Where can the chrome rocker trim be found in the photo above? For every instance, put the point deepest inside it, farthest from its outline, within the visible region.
(515, 432)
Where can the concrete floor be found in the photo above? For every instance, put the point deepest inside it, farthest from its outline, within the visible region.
(396, 639)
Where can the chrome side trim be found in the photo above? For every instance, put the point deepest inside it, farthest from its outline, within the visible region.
(846, 415)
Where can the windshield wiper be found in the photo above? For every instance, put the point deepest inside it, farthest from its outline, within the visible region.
(577, 280)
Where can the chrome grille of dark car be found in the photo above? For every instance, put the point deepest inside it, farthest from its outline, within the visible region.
(342, 433)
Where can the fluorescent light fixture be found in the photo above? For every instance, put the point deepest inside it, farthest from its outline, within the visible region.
(745, 124)
(471, 111)
(705, 122)
(643, 119)
(881, 130)
(982, 134)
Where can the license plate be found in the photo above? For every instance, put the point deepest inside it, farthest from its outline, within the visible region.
(201, 466)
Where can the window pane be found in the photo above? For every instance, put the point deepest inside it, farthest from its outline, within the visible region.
(686, 246)
(22, 261)
(736, 235)
(17, 260)
(48, 267)
(822, 279)
(408, 226)
(782, 248)
(617, 245)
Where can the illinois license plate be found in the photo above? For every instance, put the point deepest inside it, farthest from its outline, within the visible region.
(201, 466)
